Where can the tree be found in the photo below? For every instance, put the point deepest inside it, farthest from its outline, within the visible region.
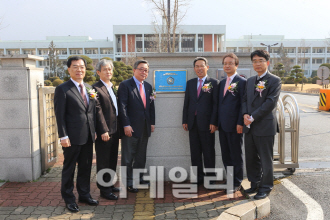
(55, 65)
(297, 75)
(89, 76)
(278, 70)
(284, 59)
(171, 15)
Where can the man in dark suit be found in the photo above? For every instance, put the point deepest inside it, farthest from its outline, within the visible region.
(230, 118)
(259, 111)
(137, 116)
(200, 117)
(75, 110)
(107, 146)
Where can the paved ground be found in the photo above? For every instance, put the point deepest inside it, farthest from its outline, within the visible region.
(42, 200)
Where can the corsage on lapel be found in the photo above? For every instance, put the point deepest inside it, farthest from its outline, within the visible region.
(261, 86)
(91, 93)
(207, 87)
(153, 95)
(232, 88)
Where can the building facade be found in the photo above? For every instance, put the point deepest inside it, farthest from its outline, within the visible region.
(198, 39)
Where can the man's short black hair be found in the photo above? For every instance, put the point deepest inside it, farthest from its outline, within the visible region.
(260, 53)
(74, 58)
(201, 58)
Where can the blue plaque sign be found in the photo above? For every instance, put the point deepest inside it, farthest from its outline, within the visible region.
(170, 80)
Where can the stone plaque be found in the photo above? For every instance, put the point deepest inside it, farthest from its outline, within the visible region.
(170, 80)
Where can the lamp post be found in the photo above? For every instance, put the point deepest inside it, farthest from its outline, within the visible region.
(268, 46)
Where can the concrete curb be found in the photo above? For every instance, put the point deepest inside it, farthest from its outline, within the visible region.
(301, 93)
(247, 210)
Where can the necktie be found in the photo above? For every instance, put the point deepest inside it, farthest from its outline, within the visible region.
(82, 93)
(143, 96)
(226, 86)
(199, 87)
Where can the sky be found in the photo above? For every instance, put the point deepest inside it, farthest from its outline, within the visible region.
(36, 19)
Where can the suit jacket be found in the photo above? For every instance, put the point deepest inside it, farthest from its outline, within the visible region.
(131, 108)
(230, 105)
(73, 118)
(205, 105)
(262, 109)
(107, 108)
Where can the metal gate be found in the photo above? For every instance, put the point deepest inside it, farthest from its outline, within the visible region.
(48, 128)
(287, 106)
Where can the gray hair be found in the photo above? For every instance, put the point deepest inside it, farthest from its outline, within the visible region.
(104, 62)
(136, 64)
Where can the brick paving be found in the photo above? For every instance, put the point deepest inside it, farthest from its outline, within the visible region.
(42, 200)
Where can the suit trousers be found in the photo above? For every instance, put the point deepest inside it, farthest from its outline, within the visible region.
(134, 153)
(231, 152)
(259, 161)
(83, 155)
(201, 149)
(106, 158)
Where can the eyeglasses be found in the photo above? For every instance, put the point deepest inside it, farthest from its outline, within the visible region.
(197, 67)
(229, 64)
(143, 70)
(78, 67)
(258, 61)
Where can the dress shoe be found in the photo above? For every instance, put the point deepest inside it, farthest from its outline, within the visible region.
(132, 190)
(72, 207)
(109, 196)
(115, 189)
(261, 195)
(144, 182)
(251, 190)
(89, 201)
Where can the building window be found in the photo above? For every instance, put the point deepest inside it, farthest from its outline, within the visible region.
(138, 43)
(1, 52)
(151, 42)
(43, 52)
(317, 61)
(76, 51)
(106, 50)
(244, 50)
(231, 49)
(187, 43)
(44, 63)
(303, 50)
(61, 52)
(289, 50)
(29, 51)
(13, 52)
(91, 51)
(318, 50)
(328, 60)
(328, 50)
(200, 43)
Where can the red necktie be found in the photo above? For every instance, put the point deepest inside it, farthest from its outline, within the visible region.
(82, 93)
(199, 87)
(143, 96)
(226, 86)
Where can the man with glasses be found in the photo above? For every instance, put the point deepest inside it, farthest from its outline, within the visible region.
(259, 112)
(200, 117)
(137, 115)
(230, 118)
(76, 115)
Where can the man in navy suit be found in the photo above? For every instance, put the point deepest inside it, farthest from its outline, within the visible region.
(230, 118)
(200, 117)
(137, 116)
(76, 117)
(259, 111)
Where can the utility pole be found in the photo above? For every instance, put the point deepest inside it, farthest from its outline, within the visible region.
(168, 25)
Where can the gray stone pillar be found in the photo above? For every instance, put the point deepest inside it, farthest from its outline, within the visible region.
(20, 158)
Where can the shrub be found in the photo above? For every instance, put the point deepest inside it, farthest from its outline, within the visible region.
(48, 83)
(53, 78)
(57, 82)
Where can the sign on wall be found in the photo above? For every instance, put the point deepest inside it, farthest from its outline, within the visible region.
(170, 80)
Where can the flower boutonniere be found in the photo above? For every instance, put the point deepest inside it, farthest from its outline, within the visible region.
(261, 86)
(232, 88)
(152, 96)
(91, 93)
(207, 87)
